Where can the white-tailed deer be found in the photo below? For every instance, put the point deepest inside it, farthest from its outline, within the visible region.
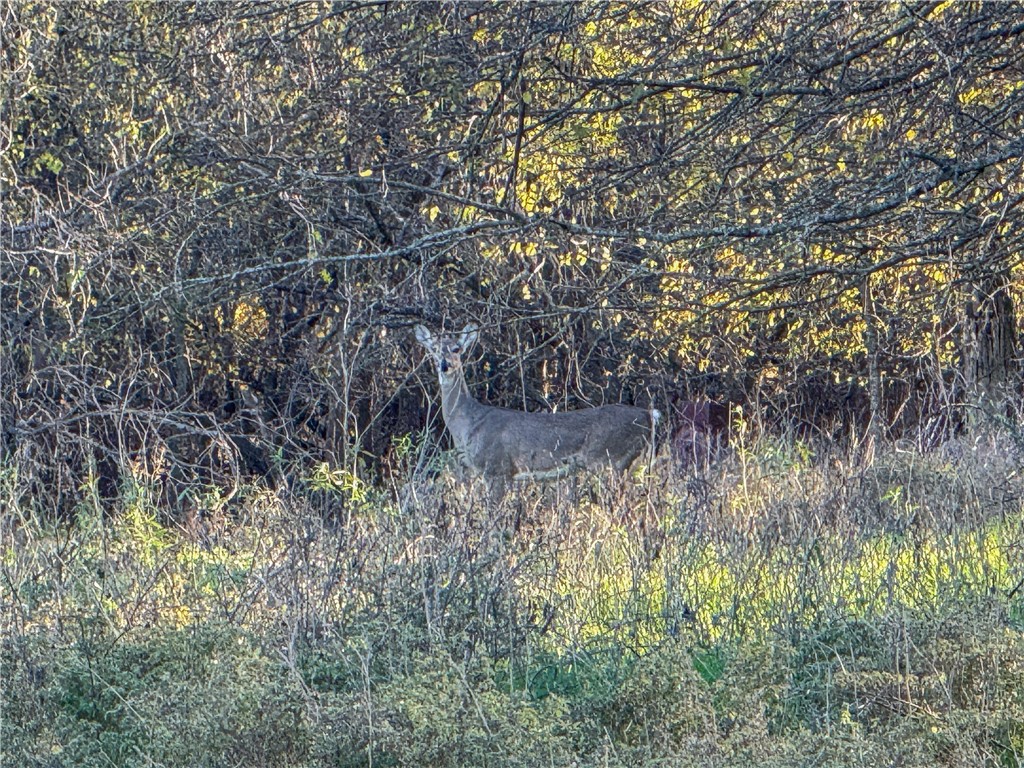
(505, 445)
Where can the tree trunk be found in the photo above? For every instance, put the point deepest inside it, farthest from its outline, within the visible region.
(991, 366)
(874, 430)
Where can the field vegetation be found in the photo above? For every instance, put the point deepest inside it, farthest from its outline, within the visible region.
(784, 606)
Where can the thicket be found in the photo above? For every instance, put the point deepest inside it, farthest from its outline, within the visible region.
(228, 536)
(222, 220)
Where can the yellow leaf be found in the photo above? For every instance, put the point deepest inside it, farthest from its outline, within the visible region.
(366, 173)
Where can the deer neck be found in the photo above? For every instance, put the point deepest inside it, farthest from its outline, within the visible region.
(457, 404)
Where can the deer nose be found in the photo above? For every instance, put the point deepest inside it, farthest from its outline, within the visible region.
(444, 366)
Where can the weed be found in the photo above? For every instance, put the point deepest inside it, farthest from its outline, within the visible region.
(774, 606)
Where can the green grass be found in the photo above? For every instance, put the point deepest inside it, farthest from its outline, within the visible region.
(780, 608)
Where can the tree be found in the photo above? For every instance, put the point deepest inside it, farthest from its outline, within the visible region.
(221, 221)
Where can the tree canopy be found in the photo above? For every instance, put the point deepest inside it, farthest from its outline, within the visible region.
(221, 220)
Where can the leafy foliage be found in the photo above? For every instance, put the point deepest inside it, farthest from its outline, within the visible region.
(221, 220)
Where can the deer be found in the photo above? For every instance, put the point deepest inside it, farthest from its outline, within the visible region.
(504, 445)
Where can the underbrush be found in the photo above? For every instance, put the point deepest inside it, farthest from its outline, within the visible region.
(783, 606)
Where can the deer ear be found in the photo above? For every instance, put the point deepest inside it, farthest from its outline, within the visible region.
(469, 337)
(423, 337)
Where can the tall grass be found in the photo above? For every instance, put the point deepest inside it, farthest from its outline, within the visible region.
(786, 605)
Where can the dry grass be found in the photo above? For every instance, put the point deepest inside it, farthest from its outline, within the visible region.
(786, 605)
